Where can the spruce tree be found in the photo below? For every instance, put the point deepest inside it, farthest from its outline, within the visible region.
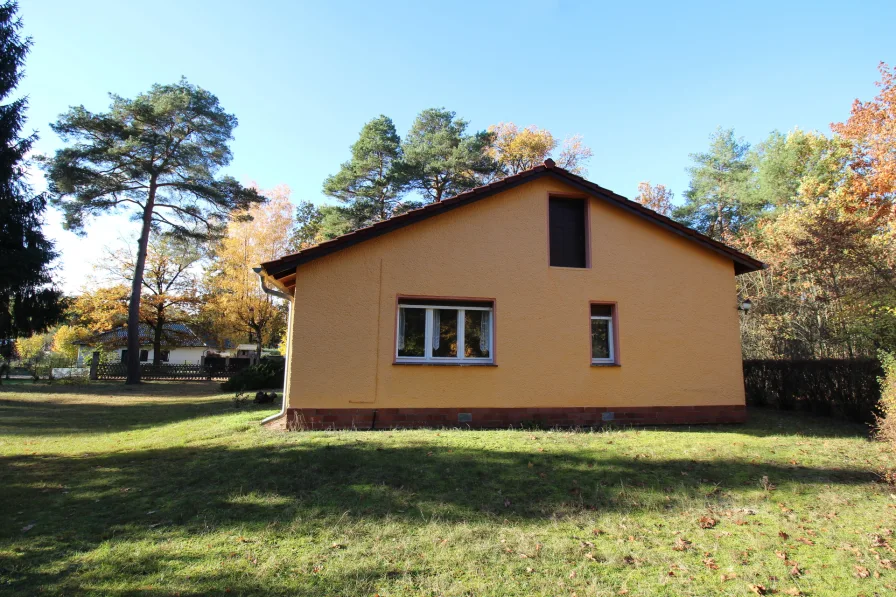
(28, 303)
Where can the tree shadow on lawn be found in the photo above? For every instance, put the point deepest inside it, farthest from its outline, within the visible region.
(93, 497)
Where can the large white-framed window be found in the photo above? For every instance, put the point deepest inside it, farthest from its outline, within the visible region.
(448, 332)
(603, 339)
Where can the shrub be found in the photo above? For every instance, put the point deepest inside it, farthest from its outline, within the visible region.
(886, 420)
(266, 374)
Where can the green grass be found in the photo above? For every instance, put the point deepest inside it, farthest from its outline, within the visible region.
(167, 489)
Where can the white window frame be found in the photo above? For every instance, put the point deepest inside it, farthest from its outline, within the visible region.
(460, 359)
(611, 340)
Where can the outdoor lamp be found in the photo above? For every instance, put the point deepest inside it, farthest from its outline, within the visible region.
(746, 305)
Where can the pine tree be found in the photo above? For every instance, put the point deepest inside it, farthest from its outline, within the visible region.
(28, 303)
(720, 201)
(157, 155)
(441, 159)
(367, 184)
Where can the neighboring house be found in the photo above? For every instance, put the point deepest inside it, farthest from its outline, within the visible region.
(540, 297)
(180, 344)
(248, 350)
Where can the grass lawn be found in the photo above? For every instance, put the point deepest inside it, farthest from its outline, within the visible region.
(167, 489)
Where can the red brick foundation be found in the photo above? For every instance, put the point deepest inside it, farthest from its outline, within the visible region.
(581, 416)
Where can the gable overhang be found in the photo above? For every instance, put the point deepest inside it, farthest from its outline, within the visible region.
(283, 271)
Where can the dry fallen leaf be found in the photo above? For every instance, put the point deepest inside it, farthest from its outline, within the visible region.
(758, 589)
(806, 541)
(780, 554)
(862, 572)
(783, 535)
(707, 522)
(729, 576)
(793, 591)
(711, 564)
(681, 544)
(878, 541)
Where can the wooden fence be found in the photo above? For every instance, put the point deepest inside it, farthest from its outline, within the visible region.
(836, 387)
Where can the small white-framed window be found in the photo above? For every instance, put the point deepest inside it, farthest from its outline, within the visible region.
(445, 332)
(603, 349)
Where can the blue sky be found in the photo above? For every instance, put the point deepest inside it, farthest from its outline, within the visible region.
(644, 83)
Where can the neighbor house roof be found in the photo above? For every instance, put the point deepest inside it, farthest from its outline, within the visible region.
(283, 270)
(173, 334)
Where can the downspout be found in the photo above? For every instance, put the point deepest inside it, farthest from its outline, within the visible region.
(289, 299)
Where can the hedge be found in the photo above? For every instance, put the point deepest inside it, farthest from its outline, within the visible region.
(846, 388)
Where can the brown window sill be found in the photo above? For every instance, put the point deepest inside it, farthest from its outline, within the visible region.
(445, 364)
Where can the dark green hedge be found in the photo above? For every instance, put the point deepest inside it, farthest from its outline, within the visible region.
(846, 388)
(265, 375)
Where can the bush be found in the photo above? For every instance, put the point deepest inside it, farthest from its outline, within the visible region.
(266, 374)
(886, 420)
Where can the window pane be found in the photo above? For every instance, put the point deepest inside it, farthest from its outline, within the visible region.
(477, 332)
(144, 355)
(444, 334)
(567, 232)
(411, 332)
(600, 338)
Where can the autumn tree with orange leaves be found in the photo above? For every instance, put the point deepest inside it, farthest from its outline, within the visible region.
(655, 197)
(871, 128)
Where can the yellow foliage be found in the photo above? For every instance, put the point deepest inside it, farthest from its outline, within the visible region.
(64, 338)
(516, 149)
(34, 347)
(238, 305)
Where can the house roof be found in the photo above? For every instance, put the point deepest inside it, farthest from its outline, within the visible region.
(283, 270)
(173, 334)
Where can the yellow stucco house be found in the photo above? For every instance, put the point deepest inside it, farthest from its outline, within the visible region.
(540, 297)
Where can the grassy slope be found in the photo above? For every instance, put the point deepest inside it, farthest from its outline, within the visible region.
(170, 490)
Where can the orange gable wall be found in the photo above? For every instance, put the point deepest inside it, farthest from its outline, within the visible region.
(679, 343)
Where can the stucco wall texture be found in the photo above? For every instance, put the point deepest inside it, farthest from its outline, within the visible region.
(679, 342)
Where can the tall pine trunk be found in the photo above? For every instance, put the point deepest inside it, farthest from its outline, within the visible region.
(137, 289)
